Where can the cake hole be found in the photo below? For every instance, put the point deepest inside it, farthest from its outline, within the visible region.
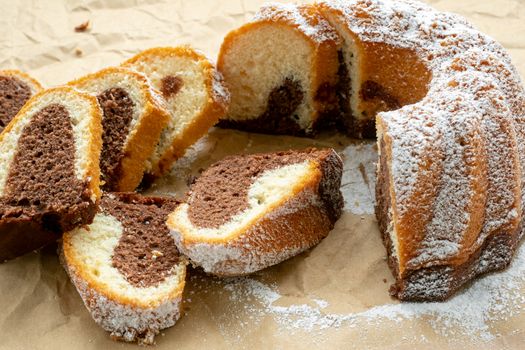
(23, 202)
(51, 222)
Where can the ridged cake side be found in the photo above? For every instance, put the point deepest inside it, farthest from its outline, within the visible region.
(450, 173)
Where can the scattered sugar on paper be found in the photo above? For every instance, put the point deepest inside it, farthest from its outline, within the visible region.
(358, 182)
(494, 297)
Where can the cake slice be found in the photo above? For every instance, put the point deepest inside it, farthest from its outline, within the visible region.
(194, 94)
(249, 212)
(126, 267)
(282, 70)
(133, 118)
(49, 171)
(16, 88)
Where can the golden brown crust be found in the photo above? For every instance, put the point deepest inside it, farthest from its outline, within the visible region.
(144, 137)
(168, 51)
(215, 107)
(77, 270)
(411, 225)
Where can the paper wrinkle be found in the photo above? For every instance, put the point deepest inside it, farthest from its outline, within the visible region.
(333, 296)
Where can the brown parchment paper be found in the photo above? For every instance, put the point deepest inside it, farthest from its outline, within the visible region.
(334, 296)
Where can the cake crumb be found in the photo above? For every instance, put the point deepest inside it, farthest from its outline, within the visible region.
(155, 254)
(78, 52)
(83, 27)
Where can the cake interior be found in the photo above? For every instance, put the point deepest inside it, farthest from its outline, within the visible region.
(41, 177)
(128, 249)
(121, 97)
(182, 81)
(268, 83)
(238, 190)
(118, 109)
(272, 90)
(14, 93)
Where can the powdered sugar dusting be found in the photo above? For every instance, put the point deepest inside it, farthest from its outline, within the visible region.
(358, 182)
(442, 152)
(219, 90)
(304, 19)
(470, 313)
(249, 252)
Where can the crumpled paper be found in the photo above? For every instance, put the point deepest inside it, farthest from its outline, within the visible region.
(333, 296)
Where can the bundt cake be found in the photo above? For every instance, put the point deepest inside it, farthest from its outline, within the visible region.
(449, 190)
(49, 171)
(133, 118)
(448, 107)
(282, 71)
(195, 97)
(16, 88)
(248, 212)
(126, 267)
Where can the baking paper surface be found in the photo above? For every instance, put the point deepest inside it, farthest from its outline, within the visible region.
(333, 296)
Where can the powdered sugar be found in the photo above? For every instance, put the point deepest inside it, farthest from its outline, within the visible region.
(470, 313)
(124, 320)
(358, 181)
(308, 22)
(445, 176)
(219, 90)
(253, 250)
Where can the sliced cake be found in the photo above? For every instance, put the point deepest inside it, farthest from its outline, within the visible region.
(133, 117)
(282, 71)
(49, 169)
(16, 88)
(249, 212)
(126, 267)
(383, 76)
(195, 97)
